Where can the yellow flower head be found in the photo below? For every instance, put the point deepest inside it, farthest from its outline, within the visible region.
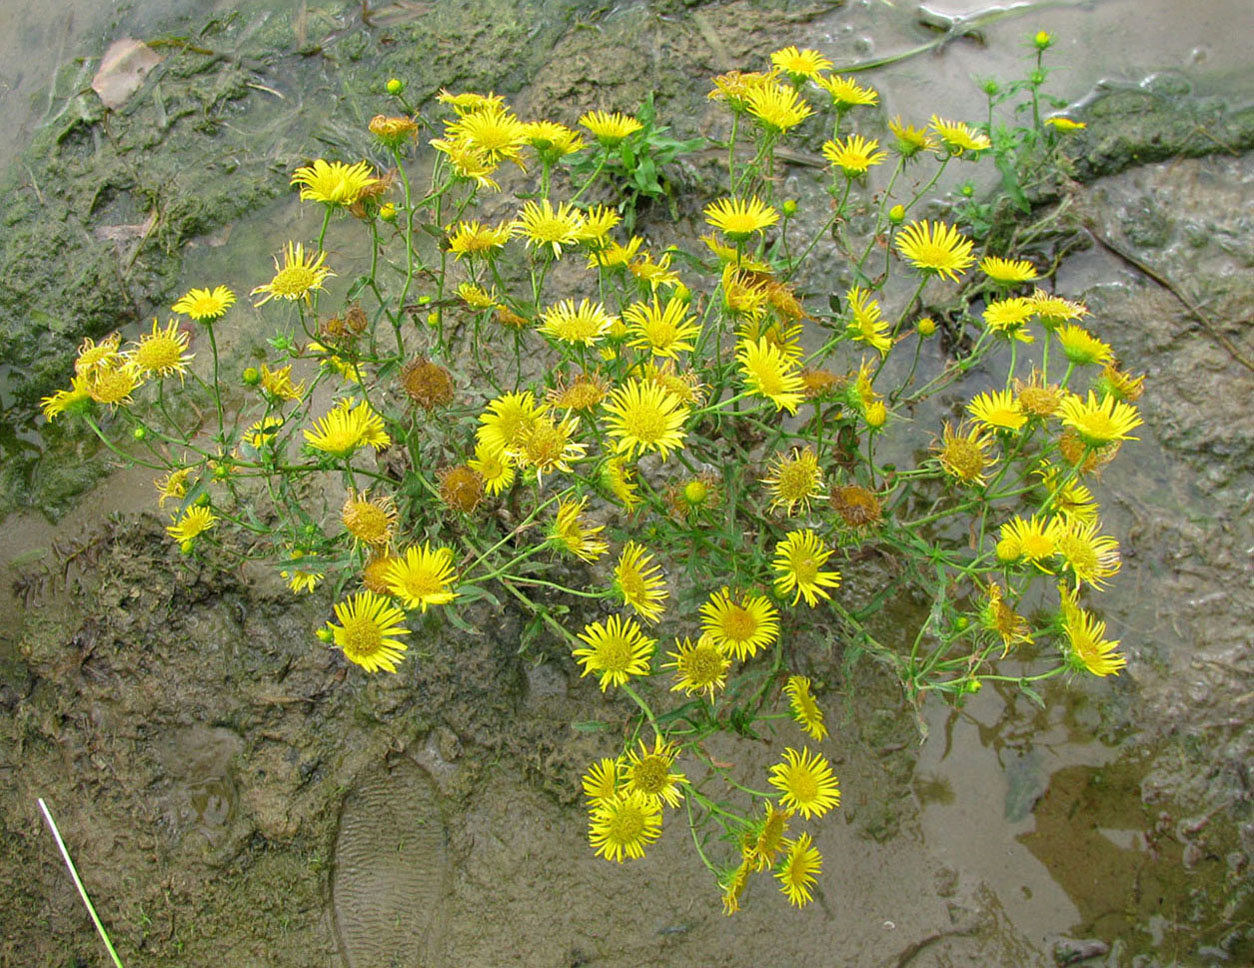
(584, 393)
(580, 325)
(846, 93)
(798, 564)
(664, 332)
(507, 420)
(1054, 310)
(476, 297)
(618, 478)
(935, 247)
(1007, 272)
(649, 772)
(1038, 398)
(368, 631)
(1082, 347)
(302, 574)
(959, 138)
(609, 129)
(468, 101)
(194, 522)
(702, 667)
(163, 351)
(1100, 422)
(334, 183)
(172, 487)
(345, 427)
(794, 480)
(624, 825)
(297, 277)
(804, 709)
(423, 576)
(393, 131)
(657, 273)
(1009, 317)
(806, 782)
(547, 445)
(855, 155)
(469, 162)
(963, 453)
(769, 372)
(639, 582)
(472, 238)
(910, 140)
(1119, 384)
(764, 841)
(277, 384)
(93, 355)
(1072, 500)
(1034, 540)
(114, 383)
(644, 417)
(615, 651)
(496, 472)
(204, 305)
(601, 782)
(997, 410)
(548, 229)
(733, 88)
(491, 130)
(799, 871)
(372, 522)
(777, 107)
(732, 883)
(998, 617)
(741, 627)
(597, 223)
(739, 218)
(552, 140)
(1088, 556)
(866, 324)
(570, 535)
(800, 64)
(1088, 647)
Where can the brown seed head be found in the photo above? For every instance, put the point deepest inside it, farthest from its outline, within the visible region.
(460, 488)
(856, 506)
(427, 384)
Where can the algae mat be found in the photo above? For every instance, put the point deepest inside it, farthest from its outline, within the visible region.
(391, 864)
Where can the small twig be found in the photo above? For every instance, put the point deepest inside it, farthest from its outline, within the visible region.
(1163, 281)
(82, 891)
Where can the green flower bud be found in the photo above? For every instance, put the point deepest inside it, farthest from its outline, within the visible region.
(1042, 40)
(395, 85)
(790, 207)
(897, 214)
(388, 212)
(140, 432)
(325, 634)
(926, 326)
(251, 377)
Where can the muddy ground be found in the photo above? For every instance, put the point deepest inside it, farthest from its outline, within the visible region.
(213, 767)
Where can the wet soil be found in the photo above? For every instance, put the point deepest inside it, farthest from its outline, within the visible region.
(207, 758)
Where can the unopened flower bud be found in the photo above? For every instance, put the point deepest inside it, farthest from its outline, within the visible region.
(790, 207)
(897, 214)
(1042, 40)
(251, 376)
(395, 85)
(926, 326)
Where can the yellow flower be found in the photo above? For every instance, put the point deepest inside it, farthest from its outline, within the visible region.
(203, 304)
(472, 238)
(997, 616)
(963, 453)
(468, 101)
(733, 88)
(997, 410)
(732, 884)
(1082, 347)
(795, 479)
(546, 228)
(371, 522)
(615, 651)
(649, 772)
(368, 631)
(1119, 384)
(194, 522)
(866, 325)
(552, 140)
(1008, 318)
(1007, 272)
(1088, 556)
(1034, 540)
(640, 583)
(423, 576)
(547, 445)
(1054, 310)
(497, 472)
(392, 131)
(806, 782)
(618, 478)
(804, 709)
(476, 297)
(855, 155)
(657, 273)
(1065, 124)
(93, 356)
(957, 137)
(1038, 398)
(1072, 501)
(584, 393)
(699, 668)
(278, 383)
(172, 487)
(163, 351)
(665, 332)
(569, 534)
(798, 874)
(598, 221)
(800, 64)
(468, 161)
(334, 183)
(935, 247)
(492, 130)
(739, 627)
(374, 576)
(114, 383)
(297, 277)
(76, 400)
(624, 825)
(1098, 423)
(739, 218)
(910, 140)
(302, 573)
(506, 421)
(601, 782)
(345, 427)
(798, 560)
(763, 842)
(846, 92)
(729, 254)
(770, 373)
(744, 294)
(644, 417)
(615, 254)
(777, 107)
(610, 129)
(581, 325)
(1088, 647)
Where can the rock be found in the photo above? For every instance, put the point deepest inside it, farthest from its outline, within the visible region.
(122, 71)
(1068, 951)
